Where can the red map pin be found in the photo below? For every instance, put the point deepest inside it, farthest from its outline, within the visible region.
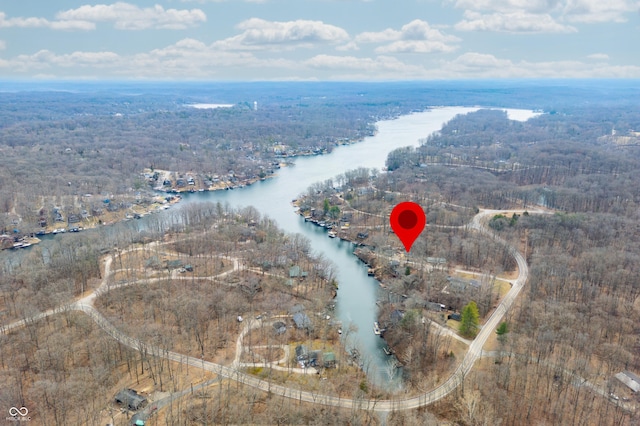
(407, 221)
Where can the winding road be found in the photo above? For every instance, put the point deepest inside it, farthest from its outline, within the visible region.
(86, 305)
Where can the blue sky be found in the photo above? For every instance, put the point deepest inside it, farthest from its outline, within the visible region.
(319, 39)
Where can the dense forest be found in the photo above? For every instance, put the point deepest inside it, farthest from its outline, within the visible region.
(580, 310)
(571, 330)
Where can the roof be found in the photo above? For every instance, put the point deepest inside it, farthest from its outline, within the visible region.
(329, 357)
(301, 349)
(130, 398)
(296, 271)
(302, 320)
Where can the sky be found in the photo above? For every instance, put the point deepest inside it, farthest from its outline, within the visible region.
(364, 40)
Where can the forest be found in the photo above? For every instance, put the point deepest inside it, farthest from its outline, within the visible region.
(580, 310)
(566, 182)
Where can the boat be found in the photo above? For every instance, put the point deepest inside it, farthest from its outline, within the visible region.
(332, 234)
(376, 328)
(387, 351)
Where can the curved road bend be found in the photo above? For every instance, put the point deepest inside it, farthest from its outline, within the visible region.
(475, 349)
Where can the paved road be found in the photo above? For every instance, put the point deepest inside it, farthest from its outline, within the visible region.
(402, 403)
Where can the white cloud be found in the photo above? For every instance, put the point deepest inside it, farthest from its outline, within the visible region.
(415, 46)
(33, 22)
(415, 37)
(188, 58)
(497, 15)
(261, 34)
(512, 22)
(348, 46)
(479, 65)
(127, 16)
(351, 67)
(591, 11)
(598, 56)
(506, 6)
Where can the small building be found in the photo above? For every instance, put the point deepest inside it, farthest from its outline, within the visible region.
(434, 306)
(130, 399)
(396, 316)
(329, 360)
(302, 353)
(174, 264)
(302, 321)
(295, 272)
(629, 379)
(279, 327)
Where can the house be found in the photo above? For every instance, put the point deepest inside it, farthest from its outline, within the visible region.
(280, 328)
(329, 360)
(396, 316)
(130, 399)
(434, 306)
(302, 321)
(629, 379)
(457, 284)
(295, 272)
(302, 353)
(174, 264)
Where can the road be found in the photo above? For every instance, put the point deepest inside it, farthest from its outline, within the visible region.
(402, 403)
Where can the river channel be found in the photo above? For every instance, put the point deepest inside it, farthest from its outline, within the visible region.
(356, 298)
(357, 294)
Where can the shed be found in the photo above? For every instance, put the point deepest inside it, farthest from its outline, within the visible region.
(130, 399)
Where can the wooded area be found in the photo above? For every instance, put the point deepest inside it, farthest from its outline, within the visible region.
(574, 326)
(580, 313)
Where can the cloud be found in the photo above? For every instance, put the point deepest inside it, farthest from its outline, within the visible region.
(506, 6)
(415, 37)
(498, 15)
(188, 58)
(33, 22)
(480, 65)
(3, 44)
(127, 16)
(351, 67)
(598, 56)
(593, 11)
(512, 22)
(261, 34)
(194, 59)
